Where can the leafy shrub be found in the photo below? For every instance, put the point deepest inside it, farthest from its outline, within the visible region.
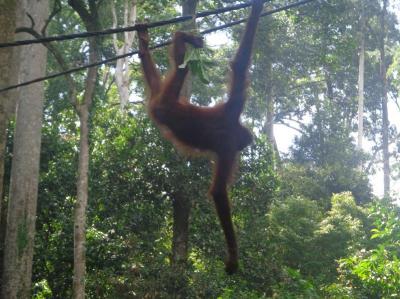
(375, 272)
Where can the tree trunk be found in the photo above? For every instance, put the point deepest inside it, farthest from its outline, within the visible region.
(181, 203)
(385, 118)
(122, 75)
(80, 206)
(8, 67)
(91, 20)
(18, 251)
(181, 212)
(266, 62)
(269, 122)
(269, 99)
(361, 63)
(3, 140)
(8, 75)
(83, 180)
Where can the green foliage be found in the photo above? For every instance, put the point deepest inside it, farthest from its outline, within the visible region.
(41, 290)
(198, 63)
(340, 233)
(375, 272)
(295, 286)
(54, 237)
(303, 238)
(291, 227)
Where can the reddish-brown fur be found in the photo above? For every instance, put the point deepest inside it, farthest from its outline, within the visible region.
(209, 129)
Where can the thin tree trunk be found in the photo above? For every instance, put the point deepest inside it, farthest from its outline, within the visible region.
(122, 74)
(181, 203)
(329, 85)
(18, 250)
(266, 62)
(361, 63)
(83, 180)
(269, 122)
(385, 118)
(91, 20)
(181, 212)
(81, 206)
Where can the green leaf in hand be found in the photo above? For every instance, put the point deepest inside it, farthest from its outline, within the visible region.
(198, 63)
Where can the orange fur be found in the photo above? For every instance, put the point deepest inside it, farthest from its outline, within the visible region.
(204, 129)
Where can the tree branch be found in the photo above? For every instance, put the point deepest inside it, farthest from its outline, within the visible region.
(80, 7)
(131, 103)
(56, 9)
(291, 127)
(32, 20)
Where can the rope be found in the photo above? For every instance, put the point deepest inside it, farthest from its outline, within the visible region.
(105, 61)
(267, 13)
(124, 29)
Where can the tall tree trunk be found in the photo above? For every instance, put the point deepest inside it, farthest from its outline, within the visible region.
(3, 139)
(269, 95)
(269, 122)
(81, 206)
(361, 63)
(8, 69)
(181, 206)
(122, 75)
(181, 203)
(7, 23)
(91, 20)
(83, 185)
(385, 118)
(83, 180)
(270, 104)
(18, 250)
